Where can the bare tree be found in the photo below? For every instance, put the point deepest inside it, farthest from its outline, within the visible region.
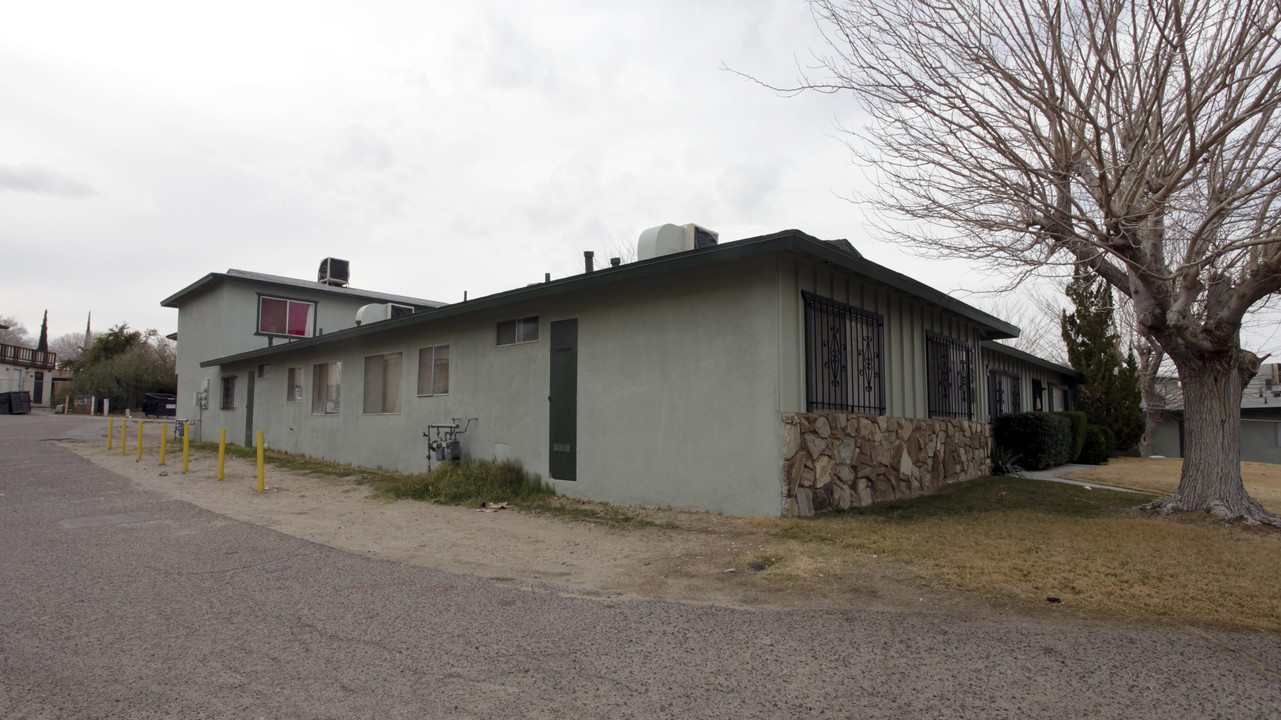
(1139, 138)
(69, 348)
(1036, 313)
(13, 332)
(1151, 364)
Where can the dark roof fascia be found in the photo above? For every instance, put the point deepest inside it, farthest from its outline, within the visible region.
(994, 326)
(213, 279)
(1030, 358)
(784, 241)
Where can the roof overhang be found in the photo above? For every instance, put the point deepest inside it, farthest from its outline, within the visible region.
(1030, 358)
(213, 280)
(793, 241)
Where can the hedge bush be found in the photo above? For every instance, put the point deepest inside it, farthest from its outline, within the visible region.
(1079, 420)
(1040, 439)
(1099, 442)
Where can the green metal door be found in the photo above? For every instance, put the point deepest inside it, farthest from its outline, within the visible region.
(249, 410)
(563, 401)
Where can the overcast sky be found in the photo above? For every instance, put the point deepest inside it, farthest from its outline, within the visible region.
(441, 147)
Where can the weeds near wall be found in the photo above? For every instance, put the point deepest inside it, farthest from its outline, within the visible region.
(473, 482)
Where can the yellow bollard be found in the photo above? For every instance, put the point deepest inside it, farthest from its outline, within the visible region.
(124, 434)
(163, 436)
(262, 486)
(139, 458)
(186, 444)
(222, 450)
(111, 431)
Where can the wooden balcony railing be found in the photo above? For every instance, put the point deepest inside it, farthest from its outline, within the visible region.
(27, 357)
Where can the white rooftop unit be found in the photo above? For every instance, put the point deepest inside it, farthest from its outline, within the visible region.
(377, 312)
(667, 239)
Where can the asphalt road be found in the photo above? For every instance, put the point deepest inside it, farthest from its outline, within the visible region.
(118, 603)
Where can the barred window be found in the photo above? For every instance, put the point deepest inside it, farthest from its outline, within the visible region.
(228, 399)
(948, 370)
(844, 358)
(1002, 393)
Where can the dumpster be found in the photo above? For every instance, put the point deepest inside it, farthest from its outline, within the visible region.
(15, 403)
(160, 404)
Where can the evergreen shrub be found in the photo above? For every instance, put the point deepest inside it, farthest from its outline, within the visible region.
(1099, 443)
(1079, 422)
(1041, 439)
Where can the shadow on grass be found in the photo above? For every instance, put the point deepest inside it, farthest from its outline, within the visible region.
(1003, 494)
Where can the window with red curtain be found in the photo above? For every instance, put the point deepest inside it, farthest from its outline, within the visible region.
(279, 316)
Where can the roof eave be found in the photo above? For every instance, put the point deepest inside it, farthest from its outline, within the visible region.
(785, 240)
(1029, 357)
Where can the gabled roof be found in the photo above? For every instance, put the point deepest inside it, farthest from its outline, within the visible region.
(277, 281)
(840, 254)
(1029, 358)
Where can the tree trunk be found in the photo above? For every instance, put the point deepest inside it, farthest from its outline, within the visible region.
(1211, 480)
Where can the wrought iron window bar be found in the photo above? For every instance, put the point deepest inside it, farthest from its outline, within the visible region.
(844, 357)
(949, 375)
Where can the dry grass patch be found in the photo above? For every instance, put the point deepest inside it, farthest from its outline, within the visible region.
(1026, 540)
(1160, 476)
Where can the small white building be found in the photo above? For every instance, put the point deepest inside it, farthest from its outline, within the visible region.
(24, 369)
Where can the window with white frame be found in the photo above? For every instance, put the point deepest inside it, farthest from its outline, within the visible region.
(285, 317)
(228, 398)
(293, 385)
(382, 383)
(433, 370)
(1060, 398)
(326, 388)
(523, 330)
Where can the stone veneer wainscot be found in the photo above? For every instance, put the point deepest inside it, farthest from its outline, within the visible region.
(834, 461)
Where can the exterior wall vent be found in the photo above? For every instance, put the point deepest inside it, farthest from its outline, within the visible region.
(334, 272)
(668, 239)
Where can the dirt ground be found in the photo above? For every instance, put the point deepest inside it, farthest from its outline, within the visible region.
(703, 559)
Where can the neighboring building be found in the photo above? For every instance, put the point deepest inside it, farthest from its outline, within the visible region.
(1260, 418)
(25, 369)
(775, 375)
(238, 311)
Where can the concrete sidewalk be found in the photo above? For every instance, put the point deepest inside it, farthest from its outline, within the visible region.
(1055, 474)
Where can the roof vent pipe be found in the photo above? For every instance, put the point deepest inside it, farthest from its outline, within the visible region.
(614, 262)
(587, 259)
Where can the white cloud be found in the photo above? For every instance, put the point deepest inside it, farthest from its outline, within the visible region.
(42, 181)
(439, 147)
